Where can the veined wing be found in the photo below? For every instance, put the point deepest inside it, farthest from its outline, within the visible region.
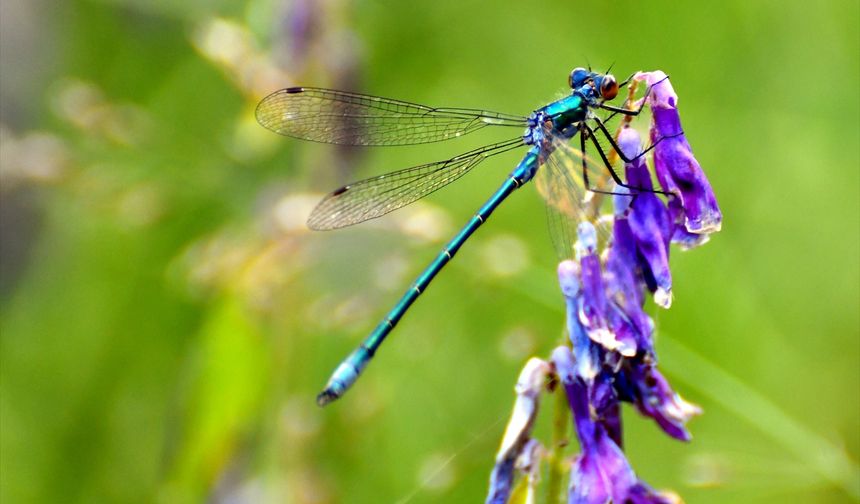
(574, 187)
(376, 196)
(339, 117)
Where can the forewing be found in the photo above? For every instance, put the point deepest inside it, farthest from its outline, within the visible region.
(339, 117)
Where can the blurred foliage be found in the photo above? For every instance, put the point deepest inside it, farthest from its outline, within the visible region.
(166, 319)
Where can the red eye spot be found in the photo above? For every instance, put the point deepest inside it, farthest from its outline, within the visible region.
(609, 88)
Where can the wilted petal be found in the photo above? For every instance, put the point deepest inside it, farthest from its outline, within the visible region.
(501, 482)
(590, 483)
(622, 263)
(632, 328)
(594, 405)
(602, 474)
(606, 407)
(593, 313)
(628, 338)
(677, 169)
(518, 430)
(529, 463)
(576, 390)
(643, 494)
(625, 284)
(587, 354)
(648, 218)
(641, 383)
(685, 239)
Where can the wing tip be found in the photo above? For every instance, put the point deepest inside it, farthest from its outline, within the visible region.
(318, 223)
(263, 110)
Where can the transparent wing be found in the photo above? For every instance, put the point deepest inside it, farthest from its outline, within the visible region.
(338, 117)
(574, 186)
(376, 196)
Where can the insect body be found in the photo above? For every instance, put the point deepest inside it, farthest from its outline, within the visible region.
(338, 117)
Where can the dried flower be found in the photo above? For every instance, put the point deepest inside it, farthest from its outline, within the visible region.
(517, 447)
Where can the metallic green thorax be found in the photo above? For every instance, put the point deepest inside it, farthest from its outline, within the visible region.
(569, 110)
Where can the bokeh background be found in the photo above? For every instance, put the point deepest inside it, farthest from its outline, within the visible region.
(167, 320)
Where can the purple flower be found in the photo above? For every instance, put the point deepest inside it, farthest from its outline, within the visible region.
(649, 220)
(625, 285)
(612, 359)
(680, 236)
(623, 277)
(594, 390)
(588, 355)
(674, 163)
(601, 473)
(594, 310)
(642, 384)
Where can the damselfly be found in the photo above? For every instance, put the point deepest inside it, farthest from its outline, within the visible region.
(569, 180)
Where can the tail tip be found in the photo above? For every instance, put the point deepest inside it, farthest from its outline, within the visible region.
(326, 396)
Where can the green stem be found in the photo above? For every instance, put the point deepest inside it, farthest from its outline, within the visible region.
(559, 443)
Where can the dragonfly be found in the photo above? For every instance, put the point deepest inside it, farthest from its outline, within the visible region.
(570, 181)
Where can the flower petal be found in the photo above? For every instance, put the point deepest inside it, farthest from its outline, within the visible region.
(677, 169)
(593, 306)
(518, 431)
(649, 219)
(587, 354)
(641, 383)
(603, 474)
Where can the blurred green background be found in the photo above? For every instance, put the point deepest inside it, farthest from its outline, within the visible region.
(166, 319)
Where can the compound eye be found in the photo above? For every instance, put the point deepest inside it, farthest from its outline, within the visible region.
(578, 77)
(609, 87)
